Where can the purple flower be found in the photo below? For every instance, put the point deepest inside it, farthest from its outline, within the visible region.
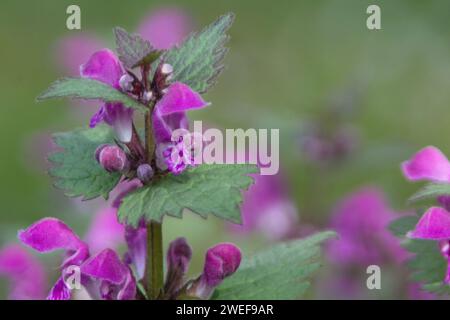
(361, 220)
(169, 115)
(267, 209)
(165, 27)
(435, 225)
(26, 275)
(103, 275)
(429, 164)
(221, 261)
(104, 66)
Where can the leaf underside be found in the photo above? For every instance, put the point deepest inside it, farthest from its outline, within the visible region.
(89, 89)
(74, 167)
(432, 190)
(428, 266)
(282, 272)
(206, 189)
(198, 61)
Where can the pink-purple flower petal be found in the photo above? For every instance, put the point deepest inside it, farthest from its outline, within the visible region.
(427, 164)
(60, 291)
(221, 261)
(179, 98)
(434, 225)
(103, 66)
(50, 234)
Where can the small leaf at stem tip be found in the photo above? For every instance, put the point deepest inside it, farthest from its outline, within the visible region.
(82, 88)
(149, 59)
(133, 49)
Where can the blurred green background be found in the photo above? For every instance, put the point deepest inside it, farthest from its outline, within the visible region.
(287, 60)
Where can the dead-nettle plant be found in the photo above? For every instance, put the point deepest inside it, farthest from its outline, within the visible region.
(426, 235)
(160, 87)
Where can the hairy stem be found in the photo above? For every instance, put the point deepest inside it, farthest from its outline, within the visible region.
(154, 272)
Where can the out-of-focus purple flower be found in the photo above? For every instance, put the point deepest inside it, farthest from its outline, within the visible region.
(73, 51)
(104, 66)
(103, 275)
(165, 27)
(105, 231)
(361, 221)
(267, 208)
(26, 275)
(178, 258)
(324, 148)
(435, 225)
(170, 115)
(221, 261)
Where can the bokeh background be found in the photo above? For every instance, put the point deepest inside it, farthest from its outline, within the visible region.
(310, 68)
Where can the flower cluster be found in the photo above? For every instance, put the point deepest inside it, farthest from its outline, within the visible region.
(93, 262)
(170, 100)
(430, 164)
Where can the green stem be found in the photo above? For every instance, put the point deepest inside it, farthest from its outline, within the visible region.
(154, 272)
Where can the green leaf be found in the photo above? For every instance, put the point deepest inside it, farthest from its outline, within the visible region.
(428, 267)
(75, 169)
(400, 227)
(134, 50)
(281, 272)
(206, 189)
(432, 190)
(198, 61)
(82, 88)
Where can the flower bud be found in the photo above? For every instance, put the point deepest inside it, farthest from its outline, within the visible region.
(221, 261)
(98, 150)
(126, 82)
(112, 158)
(148, 95)
(178, 259)
(145, 172)
(166, 69)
